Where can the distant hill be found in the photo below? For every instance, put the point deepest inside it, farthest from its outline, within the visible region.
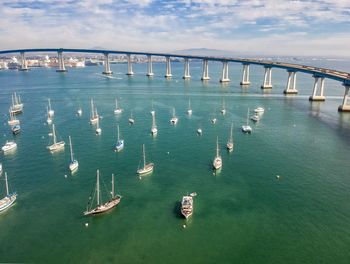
(204, 51)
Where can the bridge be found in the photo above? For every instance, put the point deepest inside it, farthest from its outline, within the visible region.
(319, 74)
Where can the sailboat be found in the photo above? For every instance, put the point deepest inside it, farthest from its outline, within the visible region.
(98, 129)
(49, 118)
(229, 144)
(94, 115)
(246, 128)
(56, 145)
(189, 110)
(9, 199)
(13, 120)
(50, 112)
(120, 143)
(9, 145)
(131, 119)
(102, 207)
(73, 165)
(223, 110)
(117, 109)
(17, 105)
(217, 163)
(154, 129)
(174, 119)
(146, 167)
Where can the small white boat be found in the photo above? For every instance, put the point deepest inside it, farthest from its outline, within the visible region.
(174, 119)
(16, 129)
(50, 111)
(56, 145)
(255, 117)
(117, 109)
(93, 115)
(9, 145)
(229, 144)
(217, 163)
(189, 110)
(9, 198)
(79, 112)
(98, 129)
(73, 164)
(131, 119)
(154, 130)
(101, 208)
(259, 110)
(199, 131)
(120, 143)
(223, 110)
(247, 128)
(13, 120)
(147, 167)
(187, 206)
(213, 121)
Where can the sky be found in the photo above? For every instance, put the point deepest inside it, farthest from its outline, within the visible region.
(243, 27)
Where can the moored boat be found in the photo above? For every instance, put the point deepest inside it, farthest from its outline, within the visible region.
(16, 129)
(9, 199)
(13, 120)
(73, 164)
(259, 110)
(93, 115)
(154, 129)
(217, 163)
(187, 206)
(17, 105)
(120, 143)
(247, 128)
(9, 145)
(147, 167)
(117, 109)
(56, 145)
(229, 144)
(174, 119)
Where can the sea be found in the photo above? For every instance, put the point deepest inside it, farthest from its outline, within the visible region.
(282, 195)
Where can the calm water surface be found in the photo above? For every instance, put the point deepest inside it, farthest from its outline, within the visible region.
(244, 214)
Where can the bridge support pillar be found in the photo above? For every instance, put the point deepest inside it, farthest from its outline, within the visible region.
(187, 69)
(24, 66)
(61, 67)
(130, 72)
(150, 66)
(345, 107)
(267, 79)
(168, 68)
(245, 75)
(290, 87)
(107, 69)
(205, 75)
(224, 75)
(314, 96)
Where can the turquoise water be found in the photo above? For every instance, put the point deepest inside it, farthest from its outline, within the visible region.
(244, 214)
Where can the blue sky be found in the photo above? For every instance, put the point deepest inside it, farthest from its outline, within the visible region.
(258, 27)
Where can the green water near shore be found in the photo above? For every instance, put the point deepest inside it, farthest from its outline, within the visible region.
(244, 214)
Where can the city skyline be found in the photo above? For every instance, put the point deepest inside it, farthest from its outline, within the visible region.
(294, 28)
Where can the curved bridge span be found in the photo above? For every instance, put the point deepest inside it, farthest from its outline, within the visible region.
(318, 73)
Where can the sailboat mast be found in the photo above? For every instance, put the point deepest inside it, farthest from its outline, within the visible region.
(92, 108)
(98, 187)
(144, 155)
(7, 186)
(49, 105)
(217, 147)
(231, 137)
(16, 100)
(54, 133)
(248, 116)
(71, 149)
(173, 111)
(189, 104)
(153, 121)
(118, 132)
(116, 103)
(112, 185)
(13, 102)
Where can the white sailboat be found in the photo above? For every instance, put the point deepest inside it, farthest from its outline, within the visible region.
(246, 128)
(73, 164)
(9, 145)
(49, 118)
(154, 129)
(259, 110)
(189, 110)
(217, 163)
(55, 146)
(102, 207)
(131, 119)
(223, 109)
(98, 129)
(147, 167)
(229, 144)
(17, 105)
(199, 131)
(117, 109)
(93, 115)
(174, 119)
(13, 120)
(50, 111)
(9, 198)
(120, 143)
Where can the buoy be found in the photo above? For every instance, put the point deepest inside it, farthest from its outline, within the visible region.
(86, 224)
(65, 175)
(140, 177)
(168, 152)
(184, 226)
(277, 176)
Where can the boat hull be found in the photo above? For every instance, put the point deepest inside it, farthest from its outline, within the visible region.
(73, 166)
(147, 169)
(104, 207)
(187, 206)
(119, 146)
(7, 202)
(56, 147)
